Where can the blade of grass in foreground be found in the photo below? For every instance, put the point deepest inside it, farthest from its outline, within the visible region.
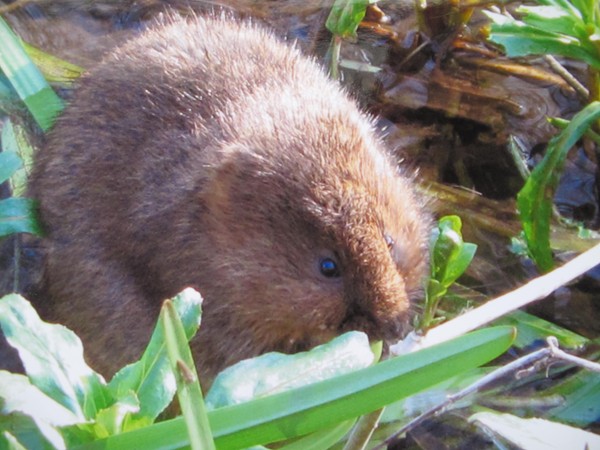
(188, 386)
(27, 80)
(300, 411)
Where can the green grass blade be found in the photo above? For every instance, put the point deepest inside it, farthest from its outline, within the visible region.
(189, 392)
(308, 409)
(324, 404)
(27, 80)
(534, 200)
(55, 70)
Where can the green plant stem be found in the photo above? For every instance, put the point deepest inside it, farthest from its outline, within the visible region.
(562, 124)
(189, 392)
(363, 430)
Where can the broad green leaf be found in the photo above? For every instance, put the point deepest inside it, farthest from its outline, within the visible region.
(18, 215)
(27, 80)
(18, 397)
(27, 433)
(521, 39)
(535, 434)
(445, 241)
(435, 289)
(534, 200)
(451, 256)
(151, 378)
(552, 19)
(53, 358)
(275, 372)
(189, 392)
(307, 409)
(460, 261)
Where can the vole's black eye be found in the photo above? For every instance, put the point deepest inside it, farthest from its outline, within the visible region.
(329, 268)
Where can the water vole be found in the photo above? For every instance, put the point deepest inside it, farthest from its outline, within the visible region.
(206, 153)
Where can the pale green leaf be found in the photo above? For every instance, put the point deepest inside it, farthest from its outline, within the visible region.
(275, 372)
(53, 358)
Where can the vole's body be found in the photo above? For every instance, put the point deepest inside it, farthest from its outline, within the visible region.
(209, 154)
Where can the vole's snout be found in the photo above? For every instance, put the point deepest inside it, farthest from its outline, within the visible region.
(377, 301)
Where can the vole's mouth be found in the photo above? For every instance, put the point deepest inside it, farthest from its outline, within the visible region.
(388, 330)
(377, 328)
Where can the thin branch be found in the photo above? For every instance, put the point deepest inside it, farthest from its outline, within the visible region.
(559, 354)
(546, 354)
(568, 77)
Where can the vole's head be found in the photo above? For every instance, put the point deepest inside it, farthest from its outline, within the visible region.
(316, 234)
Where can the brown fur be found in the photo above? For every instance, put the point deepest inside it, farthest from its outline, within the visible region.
(208, 154)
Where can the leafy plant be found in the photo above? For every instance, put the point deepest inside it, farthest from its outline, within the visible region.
(53, 359)
(449, 258)
(342, 22)
(82, 410)
(535, 198)
(560, 27)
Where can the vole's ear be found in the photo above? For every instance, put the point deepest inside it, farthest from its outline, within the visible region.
(241, 186)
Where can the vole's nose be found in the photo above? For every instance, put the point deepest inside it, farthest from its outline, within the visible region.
(377, 301)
